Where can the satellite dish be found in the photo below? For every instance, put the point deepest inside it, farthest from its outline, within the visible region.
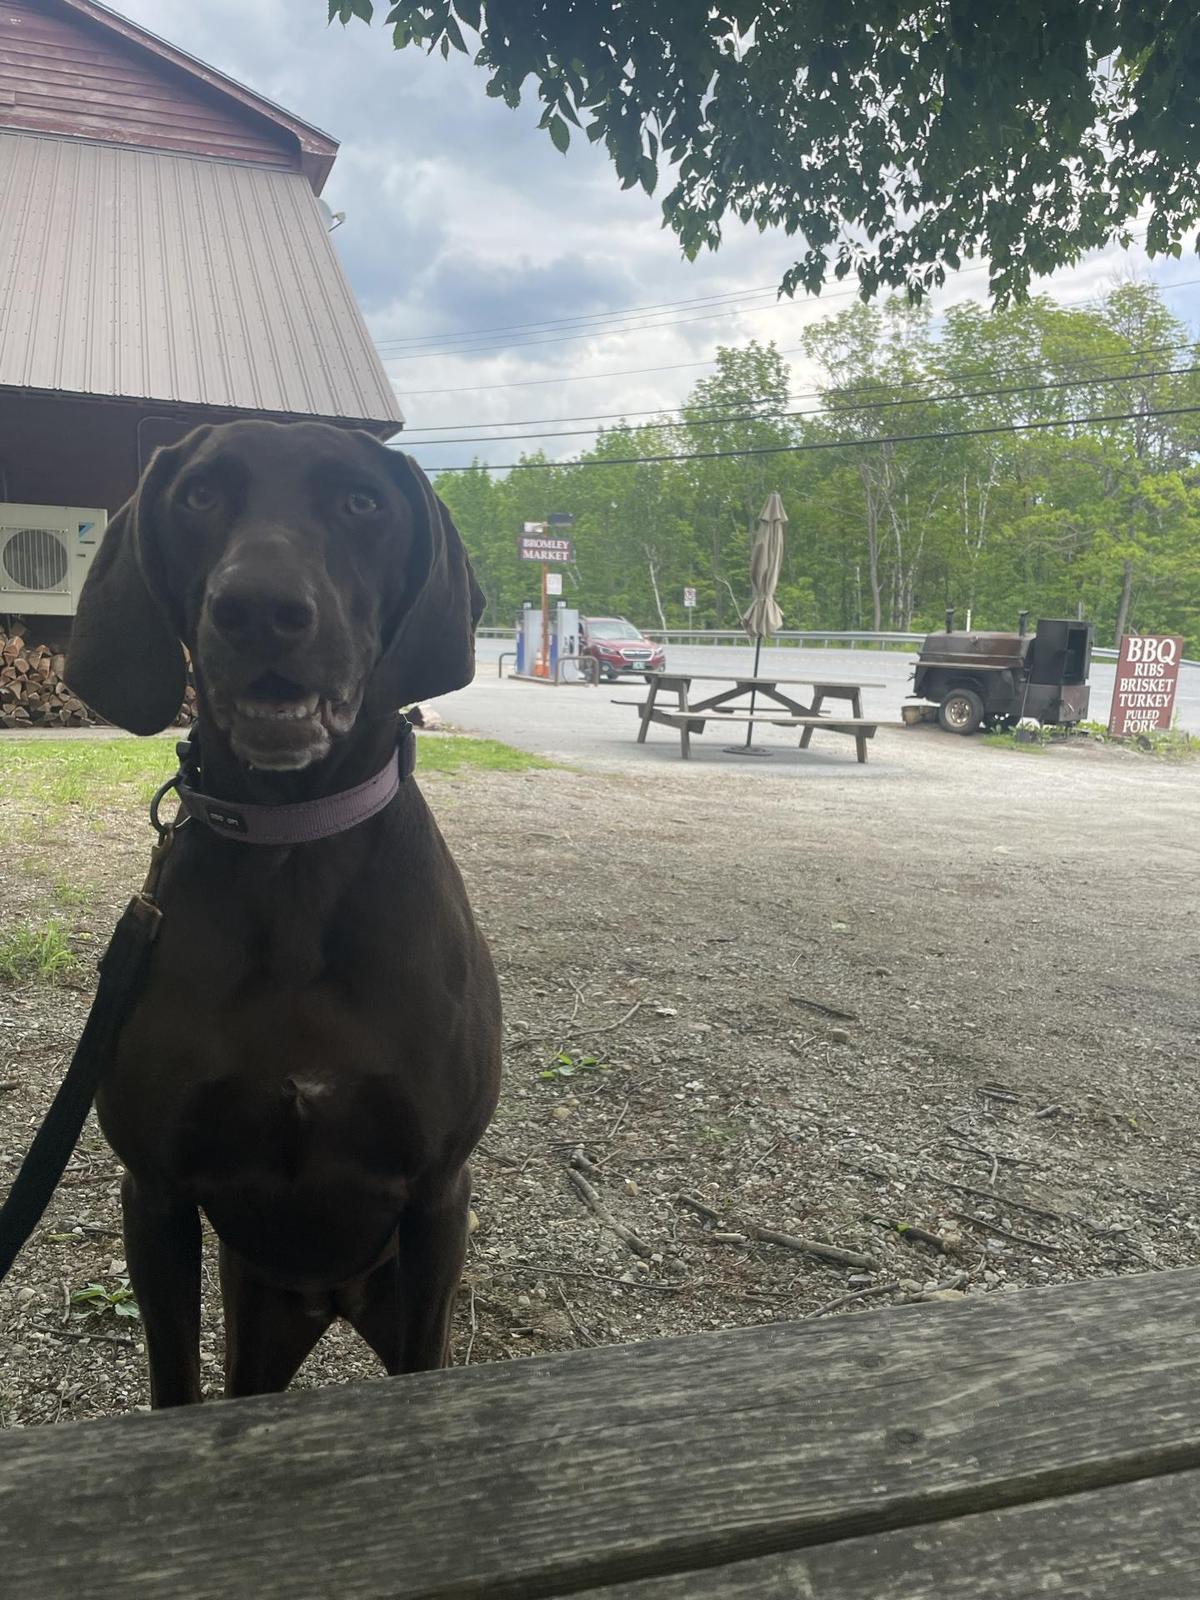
(331, 219)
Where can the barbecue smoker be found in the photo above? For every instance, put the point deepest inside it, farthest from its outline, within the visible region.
(995, 679)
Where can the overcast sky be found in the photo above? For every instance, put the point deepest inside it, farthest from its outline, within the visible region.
(461, 216)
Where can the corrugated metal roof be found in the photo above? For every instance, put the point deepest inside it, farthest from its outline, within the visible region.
(149, 276)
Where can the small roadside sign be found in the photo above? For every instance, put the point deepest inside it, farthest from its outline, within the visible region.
(689, 599)
(554, 583)
(560, 519)
(539, 547)
(1144, 693)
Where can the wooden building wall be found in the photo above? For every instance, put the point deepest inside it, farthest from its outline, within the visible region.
(60, 73)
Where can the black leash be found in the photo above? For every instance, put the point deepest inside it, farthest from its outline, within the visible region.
(122, 968)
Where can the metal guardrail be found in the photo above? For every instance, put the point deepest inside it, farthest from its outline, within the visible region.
(798, 638)
(801, 637)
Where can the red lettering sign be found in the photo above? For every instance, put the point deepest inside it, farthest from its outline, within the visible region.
(1144, 693)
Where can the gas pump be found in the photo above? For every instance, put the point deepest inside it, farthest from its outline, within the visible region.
(564, 643)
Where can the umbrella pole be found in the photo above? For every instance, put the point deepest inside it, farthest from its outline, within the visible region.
(749, 749)
(757, 655)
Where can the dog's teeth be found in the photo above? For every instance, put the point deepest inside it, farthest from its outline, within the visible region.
(278, 710)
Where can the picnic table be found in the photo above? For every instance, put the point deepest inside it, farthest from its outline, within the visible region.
(731, 705)
(1039, 1443)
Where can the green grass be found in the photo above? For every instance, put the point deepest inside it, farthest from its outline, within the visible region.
(54, 774)
(451, 752)
(36, 955)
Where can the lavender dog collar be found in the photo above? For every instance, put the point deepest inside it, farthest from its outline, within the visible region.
(306, 820)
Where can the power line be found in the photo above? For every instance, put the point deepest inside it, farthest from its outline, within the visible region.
(954, 375)
(605, 332)
(594, 316)
(840, 410)
(677, 366)
(820, 444)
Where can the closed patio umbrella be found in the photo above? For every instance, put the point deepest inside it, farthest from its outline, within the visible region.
(763, 616)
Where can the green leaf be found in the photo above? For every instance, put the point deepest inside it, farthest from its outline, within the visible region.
(468, 10)
(560, 133)
(647, 174)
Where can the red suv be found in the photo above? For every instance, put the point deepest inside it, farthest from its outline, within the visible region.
(619, 647)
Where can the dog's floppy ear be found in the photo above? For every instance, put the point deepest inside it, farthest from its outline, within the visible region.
(431, 649)
(125, 658)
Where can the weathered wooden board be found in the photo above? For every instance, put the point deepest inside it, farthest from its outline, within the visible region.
(542, 1477)
(1138, 1541)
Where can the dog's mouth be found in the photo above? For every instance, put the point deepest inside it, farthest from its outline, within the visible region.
(276, 723)
(273, 698)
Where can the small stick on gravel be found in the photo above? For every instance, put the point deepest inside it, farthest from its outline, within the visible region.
(691, 1203)
(1003, 1233)
(909, 1231)
(575, 1322)
(581, 1163)
(471, 1340)
(596, 1277)
(825, 1011)
(999, 1094)
(87, 1338)
(849, 1299)
(616, 1127)
(1004, 1200)
(808, 1247)
(753, 1232)
(605, 1216)
(590, 1033)
(766, 1155)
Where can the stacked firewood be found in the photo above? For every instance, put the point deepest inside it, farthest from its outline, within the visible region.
(33, 693)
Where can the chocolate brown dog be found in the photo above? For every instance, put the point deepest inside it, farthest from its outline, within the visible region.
(316, 1050)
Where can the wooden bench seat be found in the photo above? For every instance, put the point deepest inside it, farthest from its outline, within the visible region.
(1042, 1443)
(860, 729)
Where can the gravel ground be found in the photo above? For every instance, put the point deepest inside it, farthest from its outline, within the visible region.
(957, 998)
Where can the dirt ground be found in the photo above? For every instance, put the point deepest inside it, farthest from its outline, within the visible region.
(959, 998)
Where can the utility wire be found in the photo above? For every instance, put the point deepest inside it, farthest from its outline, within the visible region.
(677, 366)
(594, 316)
(954, 375)
(820, 444)
(835, 410)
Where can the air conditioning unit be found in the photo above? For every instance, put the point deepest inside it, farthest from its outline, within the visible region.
(45, 554)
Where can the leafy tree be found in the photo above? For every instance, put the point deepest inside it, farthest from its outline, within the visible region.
(895, 139)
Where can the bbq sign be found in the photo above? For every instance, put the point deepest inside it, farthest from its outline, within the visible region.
(1144, 695)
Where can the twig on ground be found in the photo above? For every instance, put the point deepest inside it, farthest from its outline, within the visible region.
(616, 1127)
(808, 1247)
(596, 1277)
(766, 1155)
(691, 1203)
(575, 1322)
(1000, 1094)
(1000, 1199)
(825, 1011)
(471, 1340)
(1003, 1233)
(909, 1231)
(849, 1299)
(752, 1232)
(89, 1338)
(581, 1163)
(590, 1033)
(605, 1216)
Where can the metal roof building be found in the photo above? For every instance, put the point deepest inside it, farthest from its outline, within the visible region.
(163, 259)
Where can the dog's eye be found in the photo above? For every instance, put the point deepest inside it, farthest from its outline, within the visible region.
(199, 497)
(361, 504)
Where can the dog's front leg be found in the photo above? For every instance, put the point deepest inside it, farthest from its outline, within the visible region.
(162, 1247)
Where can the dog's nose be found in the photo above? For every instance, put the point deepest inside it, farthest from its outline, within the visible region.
(262, 614)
